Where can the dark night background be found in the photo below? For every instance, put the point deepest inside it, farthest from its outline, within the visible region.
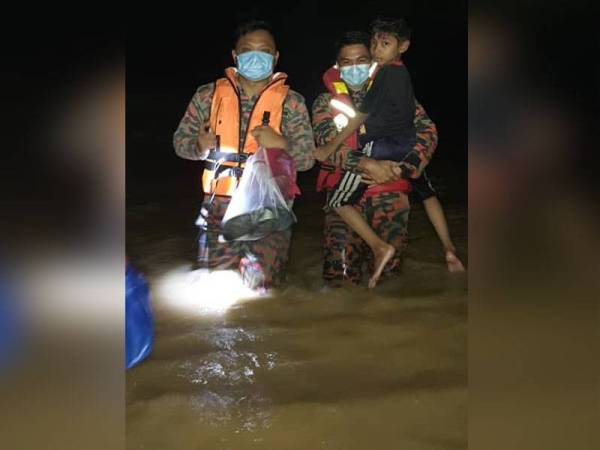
(165, 65)
(48, 57)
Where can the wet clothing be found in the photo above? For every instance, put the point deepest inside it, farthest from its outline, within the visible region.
(262, 262)
(347, 256)
(267, 257)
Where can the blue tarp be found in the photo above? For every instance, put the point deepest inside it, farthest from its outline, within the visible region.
(10, 324)
(139, 322)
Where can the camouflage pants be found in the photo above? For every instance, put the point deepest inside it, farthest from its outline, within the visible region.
(347, 255)
(261, 263)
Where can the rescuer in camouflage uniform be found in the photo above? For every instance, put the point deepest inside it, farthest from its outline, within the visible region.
(264, 259)
(387, 211)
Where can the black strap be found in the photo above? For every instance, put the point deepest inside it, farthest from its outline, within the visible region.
(327, 167)
(217, 156)
(412, 158)
(220, 169)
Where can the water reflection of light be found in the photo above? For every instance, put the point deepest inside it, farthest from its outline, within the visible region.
(228, 381)
(203, 292)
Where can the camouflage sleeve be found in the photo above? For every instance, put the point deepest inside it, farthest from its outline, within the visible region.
(186, 135)
(322, 120)
(348, 159)
(427, 140)
(295, 125)
(325, 130)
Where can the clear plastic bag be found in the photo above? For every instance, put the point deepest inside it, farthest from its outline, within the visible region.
(257, 207)
(283, 168)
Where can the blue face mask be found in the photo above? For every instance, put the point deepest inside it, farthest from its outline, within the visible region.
(355, 75)
(255, 65)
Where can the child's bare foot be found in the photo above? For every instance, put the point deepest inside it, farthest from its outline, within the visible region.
(454, 264)
(382, 255)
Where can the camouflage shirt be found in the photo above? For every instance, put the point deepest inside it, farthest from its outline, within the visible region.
(295, 124)
(325, 130)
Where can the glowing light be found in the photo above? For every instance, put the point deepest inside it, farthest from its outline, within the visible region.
(203, 292)
(341, 121)
(372, 69)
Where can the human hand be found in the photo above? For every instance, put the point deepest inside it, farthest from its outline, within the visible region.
(207, 139)
(324, 152)
(267, 137)
(379, 172)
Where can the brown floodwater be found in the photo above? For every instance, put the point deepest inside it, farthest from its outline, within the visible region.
(301, 368)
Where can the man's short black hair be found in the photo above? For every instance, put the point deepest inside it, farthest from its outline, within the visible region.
(352, 38)
(249, 27)
(398, 27)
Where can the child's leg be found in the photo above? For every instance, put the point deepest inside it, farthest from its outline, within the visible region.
(382, 251)
(390, 148)
(435, 212)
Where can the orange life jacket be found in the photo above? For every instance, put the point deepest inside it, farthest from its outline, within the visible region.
(329, 175)
(224, 165)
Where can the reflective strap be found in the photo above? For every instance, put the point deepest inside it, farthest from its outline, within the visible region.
(342, 107)
(340, 87)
